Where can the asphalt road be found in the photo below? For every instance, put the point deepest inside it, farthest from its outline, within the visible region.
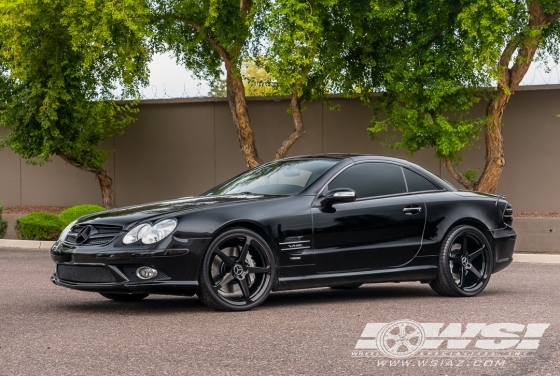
(49, 330)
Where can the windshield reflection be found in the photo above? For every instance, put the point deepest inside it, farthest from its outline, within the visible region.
(279, 178)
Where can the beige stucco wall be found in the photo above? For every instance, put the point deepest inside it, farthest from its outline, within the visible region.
(183, 147)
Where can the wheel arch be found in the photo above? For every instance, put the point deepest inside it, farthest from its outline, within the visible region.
(476, 223)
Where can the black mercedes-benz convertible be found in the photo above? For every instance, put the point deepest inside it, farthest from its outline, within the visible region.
(333, 220)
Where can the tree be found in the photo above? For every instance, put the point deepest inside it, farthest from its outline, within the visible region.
(204, 35)
(60, 62)
(210, 34)
(439, 60)
(300, 49)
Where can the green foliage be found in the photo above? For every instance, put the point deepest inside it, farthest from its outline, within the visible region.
(61, 62)
(472, 175)
(296, 43)
(191, 28)
(218, 88)
(3, 223)
(71, 214)
(436, 60)
(39, 226)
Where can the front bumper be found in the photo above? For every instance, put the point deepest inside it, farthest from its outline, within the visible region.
(111, 268)
(504, 243)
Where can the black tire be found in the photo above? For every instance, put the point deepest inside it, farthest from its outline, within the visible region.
(350, 286)
(229, 284)
(465, 263)
(132, 297)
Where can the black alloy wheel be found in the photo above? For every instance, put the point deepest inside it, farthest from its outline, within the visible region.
(465, 263)
(132, 297)
(237, 271)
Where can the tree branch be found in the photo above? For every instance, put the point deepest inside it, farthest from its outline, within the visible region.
(245, 7)
(551, 18)
(211, 41)
(66, 159)
(295, 107)
(457, 175)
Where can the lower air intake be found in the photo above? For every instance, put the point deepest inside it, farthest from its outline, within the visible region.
(91, 274)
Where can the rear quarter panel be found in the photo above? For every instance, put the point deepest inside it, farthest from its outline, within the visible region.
(445, 210)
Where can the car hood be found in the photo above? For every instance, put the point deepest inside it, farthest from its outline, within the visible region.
(153, 211)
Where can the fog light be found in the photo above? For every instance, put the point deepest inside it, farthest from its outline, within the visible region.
(145, 272)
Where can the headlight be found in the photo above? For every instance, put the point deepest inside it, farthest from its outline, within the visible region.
(65, 232)
(150, 234)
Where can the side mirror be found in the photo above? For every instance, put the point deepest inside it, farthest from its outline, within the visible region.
(338, 195)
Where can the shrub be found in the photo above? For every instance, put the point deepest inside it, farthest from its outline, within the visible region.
(71, 214)
(3, 223)
(39, 226)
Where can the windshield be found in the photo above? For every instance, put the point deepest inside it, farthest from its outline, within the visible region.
(283, 178)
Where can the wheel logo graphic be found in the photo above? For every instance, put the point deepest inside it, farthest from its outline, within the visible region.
(401, 339)
(238, 270)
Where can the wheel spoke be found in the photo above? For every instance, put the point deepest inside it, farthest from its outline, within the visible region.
(245, 250)
(477, 253)
(229, 262)
(224, 281)
(475, 272)
(455, 258)
(258, 270)
(462, 277)
(245, 290)
(464, 246)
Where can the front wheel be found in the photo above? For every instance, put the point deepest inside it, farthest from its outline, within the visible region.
(237, 271)
(465, 263)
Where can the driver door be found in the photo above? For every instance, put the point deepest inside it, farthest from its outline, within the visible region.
(383, 228)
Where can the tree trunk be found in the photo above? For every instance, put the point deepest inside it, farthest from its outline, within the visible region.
(457, 175)
(105, 181)
(238, 107)
(106, 185)
(295, 108)
(526, 44)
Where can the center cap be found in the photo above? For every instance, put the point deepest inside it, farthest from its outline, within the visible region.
(465, 262)
(238, 270)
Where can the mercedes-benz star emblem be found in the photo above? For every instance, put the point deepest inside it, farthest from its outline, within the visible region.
(83, 235)
(238, 270)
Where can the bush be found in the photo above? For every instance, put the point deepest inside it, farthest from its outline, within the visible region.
(39, 226)
(3, 223)
(71, 214)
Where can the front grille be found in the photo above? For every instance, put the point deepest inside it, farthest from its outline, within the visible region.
(79, 273)
(508, 215)
(99, 234)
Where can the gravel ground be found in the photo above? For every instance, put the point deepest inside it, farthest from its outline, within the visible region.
(49, 330)
(33, 209)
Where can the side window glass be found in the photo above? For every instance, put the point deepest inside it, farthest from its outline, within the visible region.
(371, 179)
(417, 183)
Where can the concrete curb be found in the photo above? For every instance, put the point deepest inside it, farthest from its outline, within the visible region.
(536, 259)
(26, 245)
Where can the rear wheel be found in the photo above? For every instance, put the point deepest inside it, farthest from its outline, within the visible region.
(132, 297)
(237, 271)
(465, 263)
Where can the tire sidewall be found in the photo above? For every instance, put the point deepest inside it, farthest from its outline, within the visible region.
(204, 277)
(444, 258)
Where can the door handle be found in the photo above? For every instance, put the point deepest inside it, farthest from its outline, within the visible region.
(412, 209)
